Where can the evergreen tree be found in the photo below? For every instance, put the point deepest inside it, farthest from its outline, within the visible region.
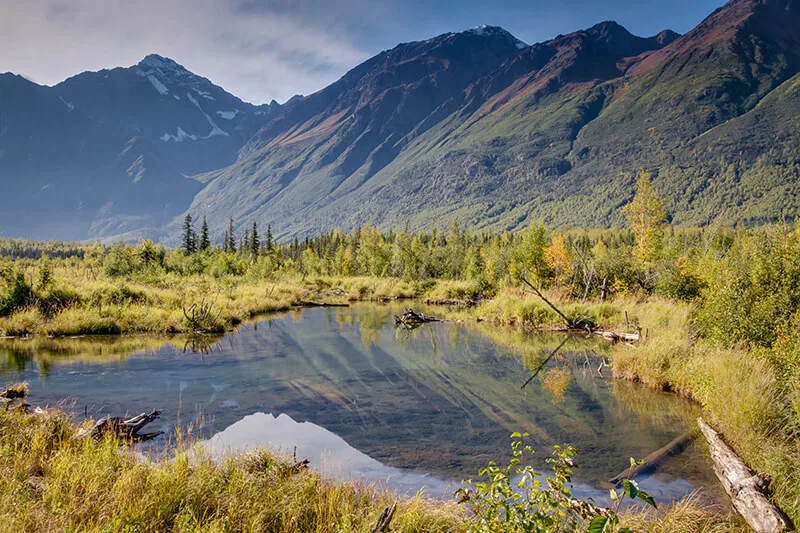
(205, 243)
(255, 243)
(229, 244)
(189, 238)
(268, 243)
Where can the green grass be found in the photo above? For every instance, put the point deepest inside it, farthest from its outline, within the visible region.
(109, 306)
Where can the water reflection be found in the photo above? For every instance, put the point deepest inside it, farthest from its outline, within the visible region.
(437, 402)
(328, 453)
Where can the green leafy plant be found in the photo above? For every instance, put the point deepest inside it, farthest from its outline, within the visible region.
(517, 498)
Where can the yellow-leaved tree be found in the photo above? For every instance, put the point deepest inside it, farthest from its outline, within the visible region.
(646, 215)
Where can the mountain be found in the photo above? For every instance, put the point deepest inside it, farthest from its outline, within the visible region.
(553, 131)
(108, 152)
(475, 126)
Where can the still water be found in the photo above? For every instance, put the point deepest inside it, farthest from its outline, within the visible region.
(410, 410)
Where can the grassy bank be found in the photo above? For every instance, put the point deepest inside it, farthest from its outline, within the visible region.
(53, 481)
(77, 303)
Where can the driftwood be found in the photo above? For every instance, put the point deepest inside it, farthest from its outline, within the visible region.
(745, 489)
(616, 337)
(410, 320)
(452, 302)
(653, 460)
(13, 399)
(384, 519)
(541, 366)
(321, 304)
(122, 428)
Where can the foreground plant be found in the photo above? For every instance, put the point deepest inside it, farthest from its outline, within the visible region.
(515, 498)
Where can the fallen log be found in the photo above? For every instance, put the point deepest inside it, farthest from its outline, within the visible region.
(14, 392)
(452, 302)
(321, 304)
(122, 428)
(570, 323)
(578, 324)
(653, 460)
(13, 398)
(615, 337)
(745, 489)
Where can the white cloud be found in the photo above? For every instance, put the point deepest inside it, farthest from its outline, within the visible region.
(258, 53)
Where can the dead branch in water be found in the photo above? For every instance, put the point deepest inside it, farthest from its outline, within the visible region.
(653, 460)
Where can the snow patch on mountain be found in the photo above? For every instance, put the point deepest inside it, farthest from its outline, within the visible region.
(215, 130)
(204, 94)
(179, 136)
(485, 30)
(69, 105)
(228, 115)
(160, 87)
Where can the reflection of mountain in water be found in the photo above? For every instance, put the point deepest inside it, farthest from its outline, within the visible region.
(328, 453)
(441, 400)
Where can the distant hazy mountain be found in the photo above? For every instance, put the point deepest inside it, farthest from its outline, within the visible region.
(107, 152)
(474, 125)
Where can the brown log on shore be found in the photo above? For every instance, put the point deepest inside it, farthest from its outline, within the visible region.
(653, 460)
(745, 489)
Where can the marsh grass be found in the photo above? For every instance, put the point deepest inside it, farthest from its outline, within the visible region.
(54, 482)
(164, 303)
(689, 515)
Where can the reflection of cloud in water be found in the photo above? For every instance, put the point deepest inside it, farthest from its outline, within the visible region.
(329, 454)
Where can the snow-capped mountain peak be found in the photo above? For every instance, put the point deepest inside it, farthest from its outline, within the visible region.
(486, 30)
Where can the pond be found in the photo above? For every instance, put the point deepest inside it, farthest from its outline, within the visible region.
(410, 410)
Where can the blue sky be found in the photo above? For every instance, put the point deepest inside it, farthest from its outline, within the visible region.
(265, 49)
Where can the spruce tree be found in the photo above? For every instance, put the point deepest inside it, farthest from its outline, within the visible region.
(268, 243)
(189, 238)
(255, 243)
(229, 245)
(205, 243)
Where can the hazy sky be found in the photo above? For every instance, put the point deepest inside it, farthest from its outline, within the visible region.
(265, 49)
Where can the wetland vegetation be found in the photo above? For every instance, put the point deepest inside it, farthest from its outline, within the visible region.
(718, 308)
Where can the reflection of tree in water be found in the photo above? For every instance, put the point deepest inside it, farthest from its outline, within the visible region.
(202, 344)
(370, 325)
(556, 381)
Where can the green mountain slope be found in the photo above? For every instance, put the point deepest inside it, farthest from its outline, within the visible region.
(552, 131)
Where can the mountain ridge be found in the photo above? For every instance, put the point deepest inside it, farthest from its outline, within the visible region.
(475, 126)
